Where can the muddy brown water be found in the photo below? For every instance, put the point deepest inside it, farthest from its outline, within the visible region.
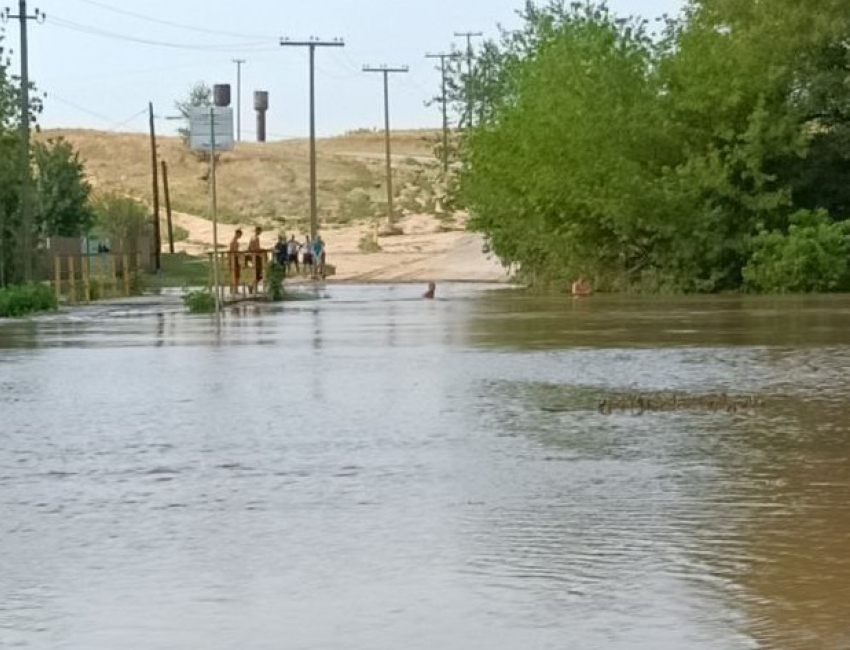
(370, 471)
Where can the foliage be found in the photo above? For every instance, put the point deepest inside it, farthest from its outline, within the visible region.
(199, 302)
(122, 219)
(369, 243)
(811, 256)
(274, 282)
(61, 190)
(20, 300)
(200, 96)
(659, 162)
(179, 233)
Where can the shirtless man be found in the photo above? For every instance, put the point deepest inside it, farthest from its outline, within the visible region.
(257, 257)
(582, 288)
(234, 261)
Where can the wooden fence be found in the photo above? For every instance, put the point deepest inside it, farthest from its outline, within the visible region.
(82, 278)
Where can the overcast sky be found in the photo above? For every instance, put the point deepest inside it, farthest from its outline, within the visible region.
(100, 66)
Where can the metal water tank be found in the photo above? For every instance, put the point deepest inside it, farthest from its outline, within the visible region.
(221, 95)
(261, 100)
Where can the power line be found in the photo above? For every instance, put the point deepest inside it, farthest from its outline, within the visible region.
(95, 31)
(170, 23)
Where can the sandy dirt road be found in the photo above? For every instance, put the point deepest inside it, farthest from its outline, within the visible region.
(422, 253)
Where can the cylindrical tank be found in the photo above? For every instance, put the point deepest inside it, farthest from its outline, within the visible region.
(261, 100)
(221, 95)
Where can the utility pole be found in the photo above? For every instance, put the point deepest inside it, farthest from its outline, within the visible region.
(311, 45)
(157, 234)
(470, 58)
(239, 63)
(386, 72)
(27, 222)
(168, 215)
(443, 58)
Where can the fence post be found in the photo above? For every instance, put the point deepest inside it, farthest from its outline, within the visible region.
(72, 281)
(57, 269)
(85, 268)
(125, 262)
(113, 275)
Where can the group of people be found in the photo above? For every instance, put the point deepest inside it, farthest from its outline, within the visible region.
(312, 254)
(290, 253)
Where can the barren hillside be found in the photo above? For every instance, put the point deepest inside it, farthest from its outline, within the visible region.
(269, 183)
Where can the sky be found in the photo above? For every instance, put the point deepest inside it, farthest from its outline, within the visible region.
(100, 62)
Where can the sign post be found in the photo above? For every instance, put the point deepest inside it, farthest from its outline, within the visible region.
(211, 131)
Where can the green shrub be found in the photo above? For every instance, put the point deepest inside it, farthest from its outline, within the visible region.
(20, 300)
(274, 282)
(811, 257)
(179, 232)
(369, 244)
(199, 302)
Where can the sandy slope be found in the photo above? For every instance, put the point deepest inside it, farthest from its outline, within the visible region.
(422, 253)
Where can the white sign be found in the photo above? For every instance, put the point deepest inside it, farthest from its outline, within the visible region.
(206, 123)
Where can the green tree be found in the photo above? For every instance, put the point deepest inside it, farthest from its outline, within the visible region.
(660, 163)
(122, 219)
(62, 192)
(200, 95)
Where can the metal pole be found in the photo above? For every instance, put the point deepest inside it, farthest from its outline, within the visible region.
(239, 63)
(314, 199)
(157, 232)
(214, 200)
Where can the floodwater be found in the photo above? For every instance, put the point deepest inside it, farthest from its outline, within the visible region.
(370, 471)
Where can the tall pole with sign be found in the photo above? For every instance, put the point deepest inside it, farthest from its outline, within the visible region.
(211, 130)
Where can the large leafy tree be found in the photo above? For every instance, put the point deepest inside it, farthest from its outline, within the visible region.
(62, 191)
(663, 162)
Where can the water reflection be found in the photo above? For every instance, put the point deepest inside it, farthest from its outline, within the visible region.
(373, 471)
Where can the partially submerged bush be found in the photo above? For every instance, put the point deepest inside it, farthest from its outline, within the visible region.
(274, 282)
(199, 302)
(20, 300)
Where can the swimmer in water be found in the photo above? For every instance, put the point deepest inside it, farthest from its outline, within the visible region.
(582, 288)
(432, 291)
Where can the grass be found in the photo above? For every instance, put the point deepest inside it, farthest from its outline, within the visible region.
(181, 270)
(24, 299)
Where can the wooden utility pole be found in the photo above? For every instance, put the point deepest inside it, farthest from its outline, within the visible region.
(167, 196)
(470, 62)
(27, 225)
(312, 44)
(445, 102)
(157, 234)
(385, 71)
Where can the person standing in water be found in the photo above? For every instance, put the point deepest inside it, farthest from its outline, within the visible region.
(431, 293)
(582, 288)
